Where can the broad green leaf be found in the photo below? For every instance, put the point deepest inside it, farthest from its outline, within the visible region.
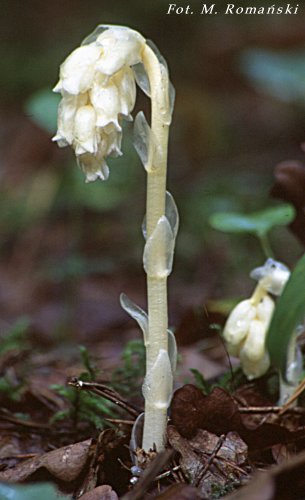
(289, 312)
(30, 492)
(42, 109)
(255, 223)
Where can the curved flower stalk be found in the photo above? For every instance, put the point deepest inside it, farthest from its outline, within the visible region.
(246, 328)
(98, 87)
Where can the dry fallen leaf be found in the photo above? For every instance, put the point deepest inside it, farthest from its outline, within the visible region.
(192, 410)
(282, 482)
(64, 464)
(207, 460)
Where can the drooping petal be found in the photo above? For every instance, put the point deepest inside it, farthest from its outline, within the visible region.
(121, 47)
(265, 310)
(255, 369)
(254, 346)
(77, 71)
(110, 141)
(85, 137)
(238, 323)
(94, 166)
(67, 109)
(106, 102)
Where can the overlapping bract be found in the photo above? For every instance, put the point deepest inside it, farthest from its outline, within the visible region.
(165, 361)
(98, 89)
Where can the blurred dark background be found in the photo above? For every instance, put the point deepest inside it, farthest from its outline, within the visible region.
(68, 249)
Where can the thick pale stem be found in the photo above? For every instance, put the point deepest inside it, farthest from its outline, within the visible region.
(156, 418)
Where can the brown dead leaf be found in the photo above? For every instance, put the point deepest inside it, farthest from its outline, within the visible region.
(102, 452)
(190, 462)
(204, 464)
(219, 413)
(192, 410)
(233, 449)
(282, 482)
(64, 464)
(281, 453)
(103, 492)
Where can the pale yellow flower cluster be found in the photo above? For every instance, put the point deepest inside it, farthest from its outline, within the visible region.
(246, 328)
(98, 90)
(245, 333)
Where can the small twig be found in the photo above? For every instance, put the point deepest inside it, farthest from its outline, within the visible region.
(178, 475)
(219, 444)
(123, 465)
(106, 392)
(119, 421)
(22, 456)
(300, 388)
(232, 464)
(6, 416)
(270, 409)
(167, 473)
(259, 409)
(149, 475)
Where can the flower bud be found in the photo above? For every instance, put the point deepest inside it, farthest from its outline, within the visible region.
(121, 47)
(238, 323)
(272, 276)
(265, 309)
(66, 115)
(255, 369)
(85, 137)
(245, 334)
(77, 71)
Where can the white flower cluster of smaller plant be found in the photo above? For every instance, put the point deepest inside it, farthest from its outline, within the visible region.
(246, 327)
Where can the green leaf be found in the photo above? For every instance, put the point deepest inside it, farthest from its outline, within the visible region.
(289, 312)
(42, 109)
(200, 381)
(16, 337)
(258, 223)
(30, 492)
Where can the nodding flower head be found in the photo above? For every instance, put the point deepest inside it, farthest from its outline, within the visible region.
(98, 89)
(247, 326)
(272, 276)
